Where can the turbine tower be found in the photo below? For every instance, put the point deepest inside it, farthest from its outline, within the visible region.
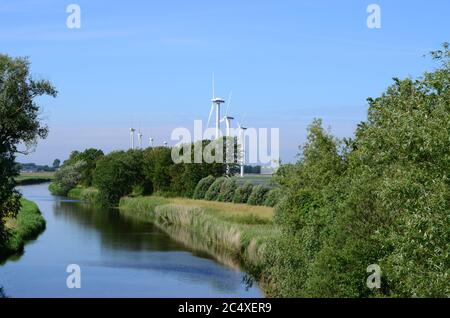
(215, 102)
(227, 119)
(132, 137)
(140, 139)
(150, 140)
(242, 130)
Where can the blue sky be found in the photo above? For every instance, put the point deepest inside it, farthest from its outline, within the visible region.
(149, 63)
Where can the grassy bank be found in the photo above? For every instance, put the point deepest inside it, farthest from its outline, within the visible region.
(84, 194)
(28, 224)
(34, 178)
(232, 233)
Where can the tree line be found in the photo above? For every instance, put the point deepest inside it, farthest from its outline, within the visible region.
(136, 172)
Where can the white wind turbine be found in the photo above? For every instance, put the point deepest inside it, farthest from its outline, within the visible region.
(227, 119)
(132, 137)
(242, 130)
(216, 101)
(140, 139)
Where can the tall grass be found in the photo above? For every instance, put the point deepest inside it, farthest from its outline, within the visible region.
(84, 194)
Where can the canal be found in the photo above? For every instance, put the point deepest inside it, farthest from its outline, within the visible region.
(118, 257)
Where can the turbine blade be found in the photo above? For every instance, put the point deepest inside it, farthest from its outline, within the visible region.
(228, 103)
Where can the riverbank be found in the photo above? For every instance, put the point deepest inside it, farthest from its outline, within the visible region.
(231, 233)
(27, 225)
(84, 194)
(237, 235)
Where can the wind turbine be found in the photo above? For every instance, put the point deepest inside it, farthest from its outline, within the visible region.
(140, 139)
(150, 140)
(242, 130)
(215, 101)
(227, 118)
(165, 143)
(132, 137)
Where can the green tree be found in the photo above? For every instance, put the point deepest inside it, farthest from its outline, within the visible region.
(56, 163)
(19, 124)
(67, 178)
(258, 195)
(116, 175)
(381, 198)
(242, 193)
(227, 190)
(214, 190)
(203, 186)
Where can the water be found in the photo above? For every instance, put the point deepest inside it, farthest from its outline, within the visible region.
(118, 257)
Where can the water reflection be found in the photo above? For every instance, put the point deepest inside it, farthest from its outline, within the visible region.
(118, 256)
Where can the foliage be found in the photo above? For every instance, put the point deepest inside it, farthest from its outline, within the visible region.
(214, 190)
(89, 157)
(381, 198)
(273, 197)
(203, 186)
(56, 163)
(157, 164)
(242, 193)
(227, 190)
(116, 174)
(67, 178)
(19, 124)
(187, 175)
(258, 195)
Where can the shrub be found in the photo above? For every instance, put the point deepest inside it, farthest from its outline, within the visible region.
(90, 157)
(242, 193)
(227, 190)
(117, 174)
(382, 198)
(203, 186)
(273, 197)
(67, 178)
(258, 195)
(213, 192)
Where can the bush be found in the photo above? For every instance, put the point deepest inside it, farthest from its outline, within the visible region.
(258, 195)
(67, 178)
(382, 198)
(242, 193)
(117, 174)
(203, 186)
(227, 190)
(214, 190)
(273, 197)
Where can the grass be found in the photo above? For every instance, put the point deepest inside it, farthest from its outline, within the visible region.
(85, 194)
(34, 177)
(238, 213)
(27, 225)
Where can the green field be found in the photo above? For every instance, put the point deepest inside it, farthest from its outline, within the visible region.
(34, 177)
(255, 179)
